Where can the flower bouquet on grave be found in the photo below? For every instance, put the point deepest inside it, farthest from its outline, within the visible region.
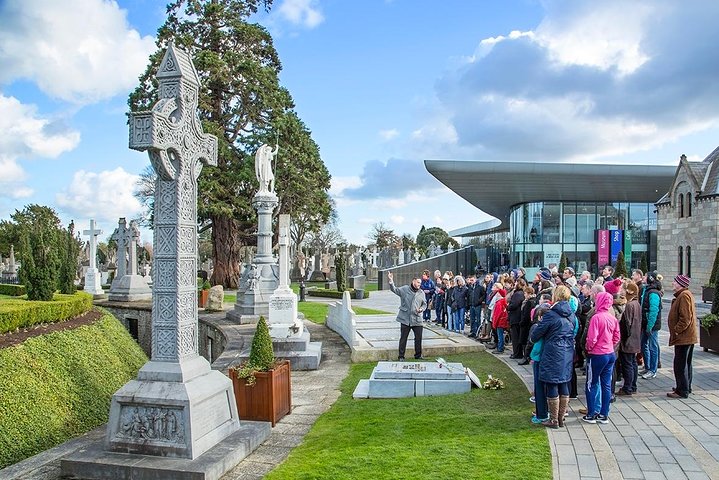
(493, 383)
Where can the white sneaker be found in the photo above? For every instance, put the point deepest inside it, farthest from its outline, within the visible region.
(649, 375)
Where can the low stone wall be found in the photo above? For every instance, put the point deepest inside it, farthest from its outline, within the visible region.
(341, 319)
(136, 317)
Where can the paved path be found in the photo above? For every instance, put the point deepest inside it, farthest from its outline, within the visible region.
(649, 435)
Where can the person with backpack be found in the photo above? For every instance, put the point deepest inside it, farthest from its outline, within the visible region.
(476, 301)
(651, 301)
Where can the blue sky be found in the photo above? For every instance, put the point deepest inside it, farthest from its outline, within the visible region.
(382, 85)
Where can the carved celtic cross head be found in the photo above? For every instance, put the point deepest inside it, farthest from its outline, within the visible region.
(171, 132)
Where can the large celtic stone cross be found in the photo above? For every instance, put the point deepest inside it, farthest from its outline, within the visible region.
(172, 134)
(122, 238)
(92, 233)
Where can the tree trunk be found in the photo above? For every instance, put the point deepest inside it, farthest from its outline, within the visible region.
(225, 252)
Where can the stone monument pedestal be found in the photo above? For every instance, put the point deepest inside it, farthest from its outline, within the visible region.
(130, 288)
(92, 282)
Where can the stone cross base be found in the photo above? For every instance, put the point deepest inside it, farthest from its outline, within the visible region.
(255, 301)
(130, 288)
(96, 463)
(158, 415)
(92, 282)
(283, 321)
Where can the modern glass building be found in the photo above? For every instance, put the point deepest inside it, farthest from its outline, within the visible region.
(588, 212)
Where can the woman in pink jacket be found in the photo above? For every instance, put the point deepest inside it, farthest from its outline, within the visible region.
(602, 336)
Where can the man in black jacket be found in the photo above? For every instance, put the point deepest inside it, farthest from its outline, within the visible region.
(477, 293)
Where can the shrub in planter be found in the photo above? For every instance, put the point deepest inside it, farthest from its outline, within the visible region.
(262, 384)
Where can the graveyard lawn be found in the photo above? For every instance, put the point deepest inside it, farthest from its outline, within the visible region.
(317, 311)
(481, 434)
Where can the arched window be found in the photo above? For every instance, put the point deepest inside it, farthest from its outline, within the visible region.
(681, 260)
(689, 205)
(681, 206)
(689, 261)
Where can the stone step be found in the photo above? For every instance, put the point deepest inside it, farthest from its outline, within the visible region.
(291, 344)
(308, 359)
(362, 389)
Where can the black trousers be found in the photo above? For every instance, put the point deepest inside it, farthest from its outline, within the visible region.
(630, 371)
(404, 334)
(683, 368)
(517, 347)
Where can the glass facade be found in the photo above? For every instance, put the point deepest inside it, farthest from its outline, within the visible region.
(541, 231)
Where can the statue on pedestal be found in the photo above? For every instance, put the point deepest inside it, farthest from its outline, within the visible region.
(263, 167)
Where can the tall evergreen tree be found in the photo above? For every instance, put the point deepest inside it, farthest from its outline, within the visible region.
(242, 103)
(715, 270)
(562, 263)
(68, 260)
(643, 265)
(620, 268)
(40, 239)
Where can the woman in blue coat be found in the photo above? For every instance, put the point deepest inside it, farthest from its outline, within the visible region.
(557, 327)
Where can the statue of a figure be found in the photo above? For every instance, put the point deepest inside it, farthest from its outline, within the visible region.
(263, 167)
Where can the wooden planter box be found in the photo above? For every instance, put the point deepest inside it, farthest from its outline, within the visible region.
(269, 399)
(202, 296)
(707, 294)
(709, 340)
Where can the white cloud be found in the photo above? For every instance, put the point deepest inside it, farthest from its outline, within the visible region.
(388, 134)
(304, 13)
(24, 134)
(80, 51)
(592, 81)
(397, 219)
(105, 196)
(339, 184)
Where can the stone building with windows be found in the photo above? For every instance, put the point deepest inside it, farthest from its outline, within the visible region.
(688, 222)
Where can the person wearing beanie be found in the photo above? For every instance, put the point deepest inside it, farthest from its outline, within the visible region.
(683, 333)
(612, 287)
(651, 301)
(630, 328)
(412, 304)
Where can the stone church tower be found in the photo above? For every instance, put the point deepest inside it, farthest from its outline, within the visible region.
(688, 223)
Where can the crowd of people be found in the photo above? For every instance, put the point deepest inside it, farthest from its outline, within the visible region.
(605, 328)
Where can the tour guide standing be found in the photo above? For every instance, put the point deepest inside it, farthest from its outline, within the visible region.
(683, 333)
(412, 304)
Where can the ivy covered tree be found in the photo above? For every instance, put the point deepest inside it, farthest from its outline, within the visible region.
(243, 104)
(620, 268)
(40, 235)
(340, 271)
(426, 236)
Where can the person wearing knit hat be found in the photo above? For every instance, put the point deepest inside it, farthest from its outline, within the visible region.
(630, 326)
(683, 334)
(546, 274)
(613, 286)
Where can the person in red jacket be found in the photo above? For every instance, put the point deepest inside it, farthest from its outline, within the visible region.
(500, 317)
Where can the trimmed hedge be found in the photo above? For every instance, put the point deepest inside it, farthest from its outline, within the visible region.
(56, 386)
(12, 290)
(332, 293)
(20, 313)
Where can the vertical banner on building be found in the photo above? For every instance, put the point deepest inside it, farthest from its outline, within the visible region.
(628, 248)
(602, 247)
(616, 243)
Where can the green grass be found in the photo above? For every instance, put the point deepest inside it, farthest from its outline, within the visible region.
(317, 312)
(481, 434)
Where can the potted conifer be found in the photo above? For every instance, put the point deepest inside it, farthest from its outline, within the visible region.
(262, 384)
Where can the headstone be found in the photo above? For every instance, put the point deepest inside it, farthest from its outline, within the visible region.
(401, 257)
(216, 299)
(414, 379)
(374, 256)
(358, 282)
(128, 286)
(93, 284)
(177, 384)
(450, 248)
(283, 321)
(416, 256)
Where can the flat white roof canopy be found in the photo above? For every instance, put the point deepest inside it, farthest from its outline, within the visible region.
(494, 187)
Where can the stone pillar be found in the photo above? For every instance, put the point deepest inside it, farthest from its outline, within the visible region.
(92, 275)
(283, 321)
(194, 405)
